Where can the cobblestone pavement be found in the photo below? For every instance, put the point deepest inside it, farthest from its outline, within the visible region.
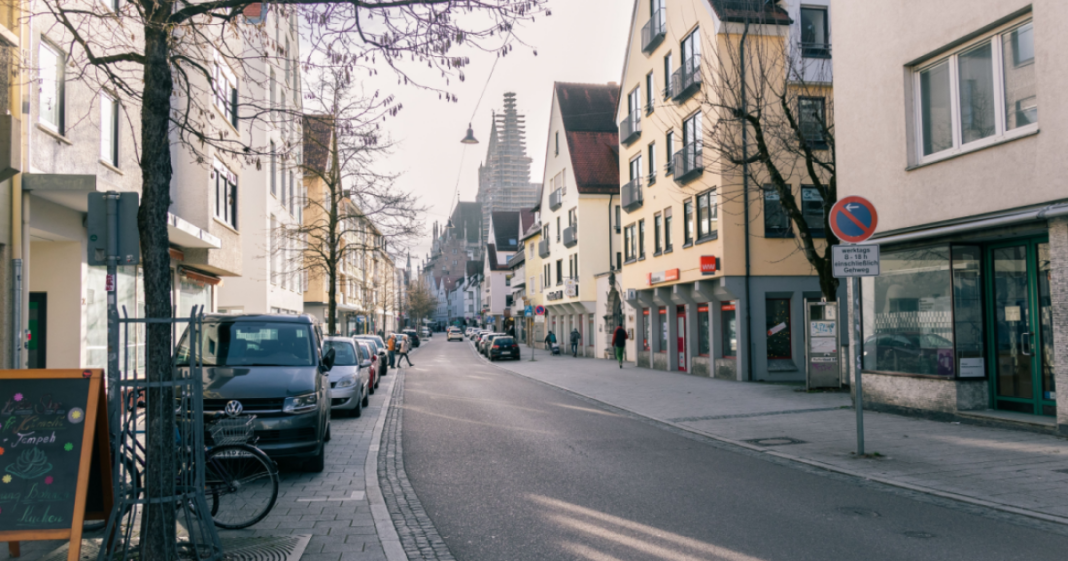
(1015, 471)
(417, 533)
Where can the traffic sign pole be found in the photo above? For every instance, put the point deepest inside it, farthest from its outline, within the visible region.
(858, 361)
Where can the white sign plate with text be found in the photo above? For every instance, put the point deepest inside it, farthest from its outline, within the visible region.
(855, 261)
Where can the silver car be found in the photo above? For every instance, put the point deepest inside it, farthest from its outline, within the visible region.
(348, 377)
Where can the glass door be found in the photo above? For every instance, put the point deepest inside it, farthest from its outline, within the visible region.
(1021, 320)
(681, 336)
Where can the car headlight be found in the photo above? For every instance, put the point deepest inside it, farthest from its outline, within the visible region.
(346, 382)
(300, 404)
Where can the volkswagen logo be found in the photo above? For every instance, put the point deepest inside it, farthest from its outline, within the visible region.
(234, 408)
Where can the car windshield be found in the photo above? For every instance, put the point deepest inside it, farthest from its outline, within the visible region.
(344, 352)
(252, 343)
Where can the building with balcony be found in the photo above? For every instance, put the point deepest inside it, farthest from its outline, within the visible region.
(504, 231)
(579, 208)
(713, 277)
(960, 154)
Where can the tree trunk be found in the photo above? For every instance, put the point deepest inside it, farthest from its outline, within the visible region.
(158, 523)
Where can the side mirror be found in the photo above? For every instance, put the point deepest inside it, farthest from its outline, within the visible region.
(328, 360)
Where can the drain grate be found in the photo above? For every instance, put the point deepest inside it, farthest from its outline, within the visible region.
(774, 441)
(249, 548)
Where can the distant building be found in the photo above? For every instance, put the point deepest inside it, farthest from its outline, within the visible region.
(504, 178)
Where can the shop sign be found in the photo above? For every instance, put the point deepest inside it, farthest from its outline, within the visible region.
(572, 288)
(555, 295)
(664, 276)
(708, 265)
(727, 306)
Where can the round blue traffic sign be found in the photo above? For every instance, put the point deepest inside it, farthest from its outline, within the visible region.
(853, 219)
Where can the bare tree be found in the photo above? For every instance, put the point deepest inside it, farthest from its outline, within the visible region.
(164, 59)
(421, 302)
(770, 106)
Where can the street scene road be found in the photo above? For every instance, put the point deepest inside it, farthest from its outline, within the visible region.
(508, 468)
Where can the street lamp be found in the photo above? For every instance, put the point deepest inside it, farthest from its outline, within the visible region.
(470, 137)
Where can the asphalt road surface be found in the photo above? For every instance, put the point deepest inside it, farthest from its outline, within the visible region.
(509, 469)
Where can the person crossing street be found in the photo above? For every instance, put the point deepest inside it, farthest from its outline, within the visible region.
(405, 346)
(619, 342)
(576, 337)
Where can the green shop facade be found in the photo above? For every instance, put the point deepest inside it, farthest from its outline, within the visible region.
(970, 319)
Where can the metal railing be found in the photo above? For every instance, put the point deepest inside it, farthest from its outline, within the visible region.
(570, 236)
(631, 195)
(556, 199)
(543, 248)
(815, 50)
(689, 161)
(631, 128)
(686, 79)
(653, 31)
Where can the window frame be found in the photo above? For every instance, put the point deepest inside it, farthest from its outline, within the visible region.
(641, 239)
(112, 128)
(658, 234)
(816, 49)
(630, 248)
(669, 146)
(705, 231)
(60, 91)
(821, 232)
(813, 143)
(1001, 134)
(228, 213)
(689, 223)
(652, 164)
(788, 232)
(667, 231)
(225, 100)
(788, 329)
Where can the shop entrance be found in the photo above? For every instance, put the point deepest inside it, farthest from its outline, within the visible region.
(1021, 317)
(681, 336)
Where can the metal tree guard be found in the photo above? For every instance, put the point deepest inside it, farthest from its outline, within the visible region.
(132, 469)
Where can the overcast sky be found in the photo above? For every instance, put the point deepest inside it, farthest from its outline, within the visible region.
(583, 41)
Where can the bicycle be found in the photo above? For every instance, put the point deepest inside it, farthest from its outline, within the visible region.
(240, 481)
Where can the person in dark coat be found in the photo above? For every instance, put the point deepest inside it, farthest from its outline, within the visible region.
(550, 338)
(576, 337)
(619, 342)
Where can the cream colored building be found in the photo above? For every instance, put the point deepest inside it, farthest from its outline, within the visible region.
(954, 129)
(706, 295)
(579, 203)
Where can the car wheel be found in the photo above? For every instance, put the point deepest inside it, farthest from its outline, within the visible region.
(370, 389)
(358, 410)
(366, 399)
(318, 463)
(328, 435)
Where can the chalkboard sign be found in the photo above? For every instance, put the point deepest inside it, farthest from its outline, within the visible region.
(47, 423)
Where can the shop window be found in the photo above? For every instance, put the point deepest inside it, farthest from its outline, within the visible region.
(646, 327)
(908, 311)
(703, 335)
(777, 315)
(590, 337)
(662, 341)
(729, 329)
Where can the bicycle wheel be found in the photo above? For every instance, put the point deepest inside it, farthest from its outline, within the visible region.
(242, 484)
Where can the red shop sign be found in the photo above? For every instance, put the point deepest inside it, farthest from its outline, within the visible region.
(708, 264)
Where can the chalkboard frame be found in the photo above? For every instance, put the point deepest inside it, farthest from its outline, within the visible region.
(93, 404)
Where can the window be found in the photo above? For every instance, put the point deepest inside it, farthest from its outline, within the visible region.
(704, 337)
(812, 121)
(273, 239)
(777, 316)
(690, 55)
(776, 222)
(630, 243)
(636, 168)
(812, 210)
(274, 170)
(649, 93)
(271, 87)
(707, 216)
(641, 239)
(815, 41)
(981, 94)
(224, 86)
(667, 75)
(729, 329)
(646, 329)
(590, 332)
(559, 271)
(662, 340)
(109, 129)
(51, 82)
(652, 163)
(658, 234)
(687, 223)
(572, 217)
(557, 143)
(618, 222)
(667, 230)
(634, 104)
(558, 229)
(225, 193)
(669, 152)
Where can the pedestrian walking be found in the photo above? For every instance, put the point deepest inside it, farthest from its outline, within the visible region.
(391, 346)
(405, 346)
(550, 340)
(619, 342)
(575, 338)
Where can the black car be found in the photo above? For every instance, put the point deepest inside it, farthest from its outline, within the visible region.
(503, 346)
(412, 336)
(274, 367)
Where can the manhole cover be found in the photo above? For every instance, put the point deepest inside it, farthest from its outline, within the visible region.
(858, 511)
(919, 535)
(775, 441)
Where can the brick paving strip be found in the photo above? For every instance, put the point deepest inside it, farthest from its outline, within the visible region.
(1015, 472)
(418, 536)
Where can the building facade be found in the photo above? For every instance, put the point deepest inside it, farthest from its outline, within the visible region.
(959, 155)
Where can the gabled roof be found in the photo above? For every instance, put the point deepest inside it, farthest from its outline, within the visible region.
(753, 10)
(505, 227)
(526, 220)
(595, 161)
(588, 107)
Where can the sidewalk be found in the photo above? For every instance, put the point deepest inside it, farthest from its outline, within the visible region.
(1015, 471)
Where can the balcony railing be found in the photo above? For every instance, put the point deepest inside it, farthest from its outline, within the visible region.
(543, 248)
(687, 79)
(689, 162)
(653, 31)
(816, 50)
(631, 195)
(570, 236)
(556, 199)
(631, 128)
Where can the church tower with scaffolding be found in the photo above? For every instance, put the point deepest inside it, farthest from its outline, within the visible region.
(504, 178)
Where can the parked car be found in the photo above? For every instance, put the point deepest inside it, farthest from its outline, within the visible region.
(487, 341)
(426, 333)
(454, 333)
(413, 337)
(349, 378)
(503, 346)
(274, 366)
(380, 351)
(369, 361)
